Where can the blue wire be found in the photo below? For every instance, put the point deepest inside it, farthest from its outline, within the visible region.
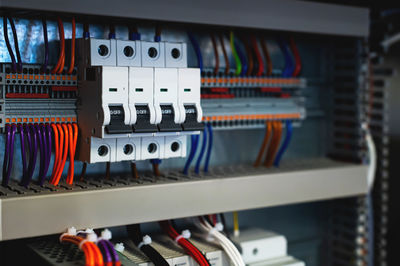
(289, 64)
(283, 148)
(195, 142)
(243, 59)
(203, 149)
(210, 143)
(157, 38)
(196, 49)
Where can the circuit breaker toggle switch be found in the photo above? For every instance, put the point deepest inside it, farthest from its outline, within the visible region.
(143, 124)
(191, 123)
(117, 125)
(167, 123)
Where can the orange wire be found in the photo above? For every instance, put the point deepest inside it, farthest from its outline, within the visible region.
(60, 152)
(268, 129)
(267, 57)
(86, 248)
(227, 66)
(73, 130)
(62, 44)
(71, 66)
(249, 57)
(273, 148)
(64, 157)
(56, 151)
(98, 256)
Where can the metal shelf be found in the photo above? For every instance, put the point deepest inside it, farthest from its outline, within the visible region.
(286, 15)
(104, 203)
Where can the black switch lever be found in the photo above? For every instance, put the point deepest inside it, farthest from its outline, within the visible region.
(167, 122)
(191, 123)
(143, 124)
(117, 125)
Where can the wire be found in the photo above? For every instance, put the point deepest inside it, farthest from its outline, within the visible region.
(156, 170)
(236, 231)
(264, 48)
(92, 252)
(105, 251)
(42, 151)
(214, 235)
(6, 178)
(193, 149)
(73, 138)
(72, 64)
(23, 152)
(275, 141)
(285, 144)
(19, 64)
(7, 41)
(136, 236)
(264, 145)
(372, 156)
(46, 46)
(157, 36)
(227, 65)
(189, 248)
(32, 143)
(202, 150)
(297, 58)
(210, 144)
(196, 49)
(111, 34)
(260, 69)
(108, 168)
(83, 172)
(86, 31)
(56, 150)
(135, 174)
(64, 150)
(214, 43)
(49, 147)
(235, 55)
(249, 57)
(60, 63)
(134, 34)
(289, 66)
(6, 154)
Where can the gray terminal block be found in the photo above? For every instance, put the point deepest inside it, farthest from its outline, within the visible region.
(153, 54)
(129, 53)
(175, 55)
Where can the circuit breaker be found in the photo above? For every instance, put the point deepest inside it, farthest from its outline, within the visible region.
(138, 100)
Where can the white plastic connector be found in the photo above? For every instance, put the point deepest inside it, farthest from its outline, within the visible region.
(146, 241)
(175, 55)
(106, 234)
(217, 228)
(119, 247)
(129, 53)
(89, 231)
(103, 52)
(153, 54)
(185, 234)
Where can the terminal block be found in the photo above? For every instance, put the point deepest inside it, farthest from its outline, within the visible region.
(138, 100)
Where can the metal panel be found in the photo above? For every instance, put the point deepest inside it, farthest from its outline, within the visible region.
(51, 212)
(287, 15)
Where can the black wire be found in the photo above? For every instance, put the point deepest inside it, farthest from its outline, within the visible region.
(83, 173)
(136, 236)
(223, 221)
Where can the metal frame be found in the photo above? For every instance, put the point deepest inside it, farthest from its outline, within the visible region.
(113, 203)
(285, 15)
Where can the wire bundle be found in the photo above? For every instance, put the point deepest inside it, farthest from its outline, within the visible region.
(189, 248)
(8, 153)
(16, 65)
(65, 140)
(93, 255)
(213, 234)
(143, 243)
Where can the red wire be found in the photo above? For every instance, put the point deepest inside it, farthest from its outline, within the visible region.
(227, 66)
(189, 248)
(258, 55)
(71, 66)
(297, 58)
(62, 48)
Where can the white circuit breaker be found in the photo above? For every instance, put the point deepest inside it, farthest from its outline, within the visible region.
(138, 100)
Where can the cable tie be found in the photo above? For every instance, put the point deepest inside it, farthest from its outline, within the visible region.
(82, 243)
(146, 241)
(185, 234)
(119, 247)
(71, 231)
(92, 237)
(106, 234)
(217, 228)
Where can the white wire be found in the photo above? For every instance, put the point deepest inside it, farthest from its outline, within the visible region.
(390, 41)
(225, 243)
(372, 157)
